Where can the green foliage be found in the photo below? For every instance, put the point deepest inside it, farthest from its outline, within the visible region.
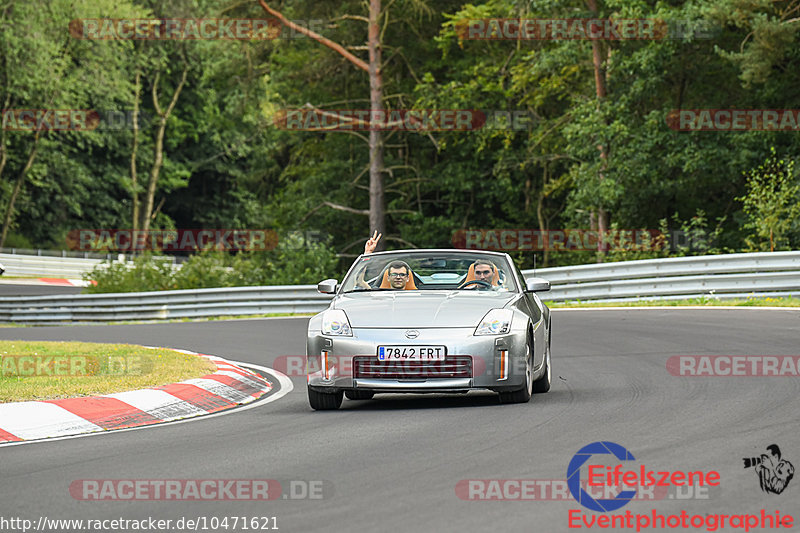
(15, 240)
(772, 203)
(226, 166)
(144, 274)
(767, 38)
(695, 236)
(293, 262)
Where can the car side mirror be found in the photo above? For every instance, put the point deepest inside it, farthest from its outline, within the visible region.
(537, 285)
(328, 286)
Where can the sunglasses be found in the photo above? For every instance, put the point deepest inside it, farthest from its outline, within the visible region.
(483, 272)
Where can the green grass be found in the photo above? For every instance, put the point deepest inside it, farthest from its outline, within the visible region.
(39, 370)
(706, 301)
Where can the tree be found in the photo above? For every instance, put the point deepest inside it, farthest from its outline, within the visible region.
(769, 45)
(376, 213)
(772, 202)
(43, 68)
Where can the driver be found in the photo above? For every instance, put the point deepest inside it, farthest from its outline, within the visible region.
(484, 271)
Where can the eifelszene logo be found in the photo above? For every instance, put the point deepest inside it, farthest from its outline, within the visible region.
(610, 467)
(774, 473)
(574, 476)
(601, 475)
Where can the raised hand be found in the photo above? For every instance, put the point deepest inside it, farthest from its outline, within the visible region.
(372, 242)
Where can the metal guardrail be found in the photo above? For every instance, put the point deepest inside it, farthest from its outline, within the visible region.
(715, 276)
(163, 305)
(59, 253)
(724, 276)
(49, 264)
(46, 266)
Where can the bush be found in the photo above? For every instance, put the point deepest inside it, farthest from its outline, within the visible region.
(145, 273)
(16, 240)
(293, 262)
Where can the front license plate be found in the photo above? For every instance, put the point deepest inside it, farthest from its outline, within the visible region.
(411, 353)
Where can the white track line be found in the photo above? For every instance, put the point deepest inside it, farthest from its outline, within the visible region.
(283, 379)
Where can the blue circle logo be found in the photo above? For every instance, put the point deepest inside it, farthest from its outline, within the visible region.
(574, 476)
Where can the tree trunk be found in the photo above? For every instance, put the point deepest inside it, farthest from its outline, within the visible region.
(3, 151)
(17, 187)
(542, 221)
(377, 215)
(601, 91)
(158, 150)
(134, 148)
(377, 209)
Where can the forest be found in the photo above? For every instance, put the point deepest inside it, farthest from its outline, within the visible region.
(433, 122)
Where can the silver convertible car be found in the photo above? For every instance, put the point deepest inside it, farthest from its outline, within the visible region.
(429, 321)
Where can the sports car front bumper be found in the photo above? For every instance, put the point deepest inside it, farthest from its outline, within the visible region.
(472, 362)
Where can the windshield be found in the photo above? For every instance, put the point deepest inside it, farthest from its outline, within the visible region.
(430, 271)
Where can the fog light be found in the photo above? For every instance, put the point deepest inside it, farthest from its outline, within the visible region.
(503, 366)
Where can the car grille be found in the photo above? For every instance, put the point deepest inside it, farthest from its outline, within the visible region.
(454, 366)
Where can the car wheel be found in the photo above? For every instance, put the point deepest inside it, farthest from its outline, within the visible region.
(524, 394)
(543, 383)
(359, 394)
(323, 401)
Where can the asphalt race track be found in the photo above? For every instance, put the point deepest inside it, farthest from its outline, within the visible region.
(393, 463)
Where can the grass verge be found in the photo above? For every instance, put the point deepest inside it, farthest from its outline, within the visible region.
(709, 302)
(167, 321)
(40, 370)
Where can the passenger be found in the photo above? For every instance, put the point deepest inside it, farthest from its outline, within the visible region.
(398, 274)
(395, 276)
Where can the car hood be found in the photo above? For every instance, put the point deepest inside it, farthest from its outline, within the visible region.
(405, 309)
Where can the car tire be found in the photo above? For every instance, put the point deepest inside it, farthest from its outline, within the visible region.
(522, 395)
(359, 394)
(324, 401)
(543, 383)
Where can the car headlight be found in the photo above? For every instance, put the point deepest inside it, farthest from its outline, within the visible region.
(496, 322)
(334, 322)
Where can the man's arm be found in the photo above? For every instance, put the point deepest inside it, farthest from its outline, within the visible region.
(360, 282)
(369, 247)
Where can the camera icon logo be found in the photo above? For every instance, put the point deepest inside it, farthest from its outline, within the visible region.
(774, 472)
